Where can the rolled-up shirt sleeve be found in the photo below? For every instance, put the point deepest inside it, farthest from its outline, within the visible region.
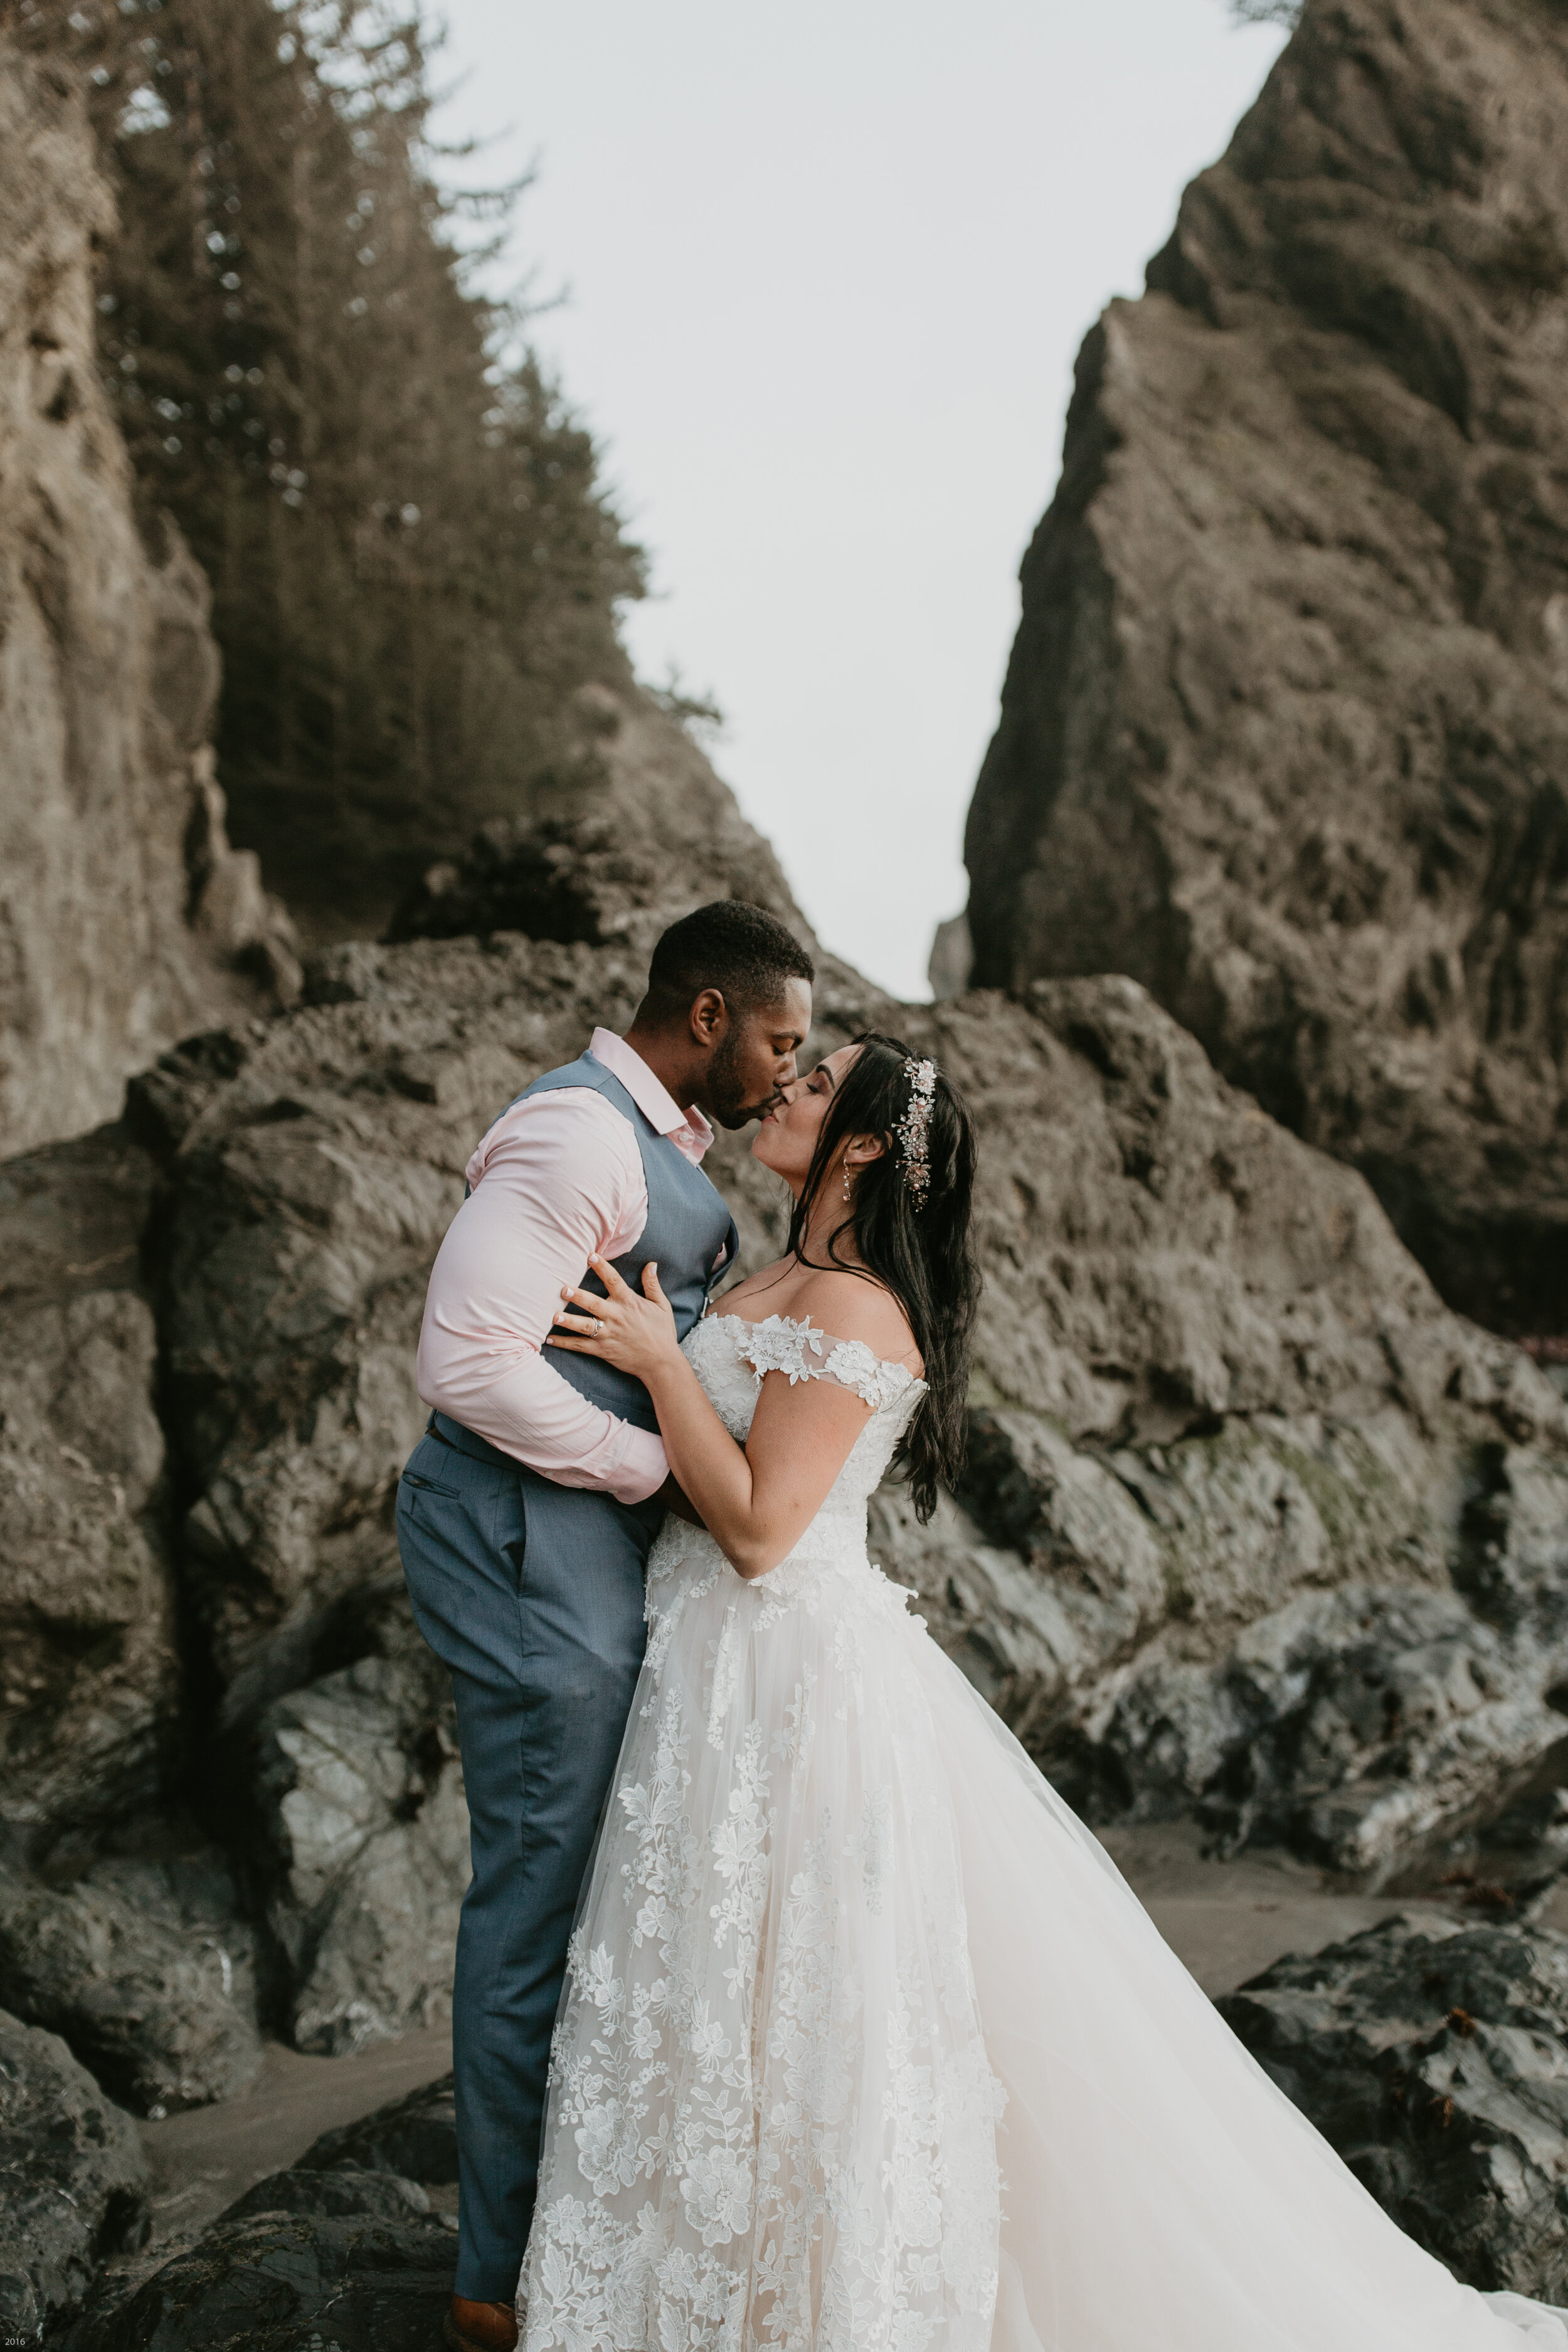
(557, 1181)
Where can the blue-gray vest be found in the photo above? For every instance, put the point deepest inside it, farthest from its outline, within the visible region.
(690, 1233)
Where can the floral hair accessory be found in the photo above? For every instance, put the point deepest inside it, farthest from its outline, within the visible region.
(913, 1131)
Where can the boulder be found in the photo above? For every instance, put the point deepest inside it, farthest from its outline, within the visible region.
(361, 1796)
(629, 836)
(125, 916)
(91, 1681)
(146, 1992)
(1435, 2058)
(285, 2281)
(339, 2194)
(76, 2180)
(415, 2137)
(1285, 731)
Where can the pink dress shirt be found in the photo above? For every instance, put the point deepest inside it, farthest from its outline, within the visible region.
(557, 1179)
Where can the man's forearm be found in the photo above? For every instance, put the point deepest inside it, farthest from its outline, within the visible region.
(530, 1412)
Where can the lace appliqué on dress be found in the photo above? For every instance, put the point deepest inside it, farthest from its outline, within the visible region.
(789, 1344)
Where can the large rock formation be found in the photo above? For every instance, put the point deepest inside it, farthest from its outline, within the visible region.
(90, 1685)
(76, 2180)
(125, 916)
(367, 1847)
(346, 2236)
(1435, 2058)
(1255, 1524)
(1284, 733)
(628, 835)
(145, 1989)
(288, 2280)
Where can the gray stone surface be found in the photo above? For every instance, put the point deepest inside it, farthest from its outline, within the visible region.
(1284, 731)
(343, 2192)
(285, 2282)
(73, 2180)
(634, 834)
(89, 1673)
(416, 2137)
(359, 1790)
(1214, 1395)
(1254, 1524)
(1435, 2059)
(125, 916)
(146, 1991)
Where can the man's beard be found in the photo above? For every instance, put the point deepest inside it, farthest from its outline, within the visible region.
(726, 1087)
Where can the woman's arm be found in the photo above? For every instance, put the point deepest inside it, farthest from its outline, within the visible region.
(758, 1500)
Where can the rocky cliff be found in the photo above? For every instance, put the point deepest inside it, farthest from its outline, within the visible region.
(1285, 732)
(1254, 1528)
(628, 833)
(125, 917)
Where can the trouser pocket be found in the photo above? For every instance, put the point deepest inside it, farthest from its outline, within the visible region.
(426, 1485)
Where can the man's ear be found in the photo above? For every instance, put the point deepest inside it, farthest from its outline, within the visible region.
(710, 1018)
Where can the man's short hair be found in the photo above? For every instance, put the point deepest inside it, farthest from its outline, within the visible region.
(742, 951)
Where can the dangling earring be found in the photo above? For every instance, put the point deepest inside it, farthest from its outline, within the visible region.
(847, 1183)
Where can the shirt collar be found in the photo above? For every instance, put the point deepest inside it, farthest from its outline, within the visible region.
(687, 1129)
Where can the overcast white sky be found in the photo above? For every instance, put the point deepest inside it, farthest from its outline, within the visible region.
(828, 267)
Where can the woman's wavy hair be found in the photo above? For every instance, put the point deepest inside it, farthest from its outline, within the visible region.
(919, 1248)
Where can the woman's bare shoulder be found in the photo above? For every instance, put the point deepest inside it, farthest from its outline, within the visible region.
(856, 1307)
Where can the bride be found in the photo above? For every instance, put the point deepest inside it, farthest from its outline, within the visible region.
(865, 2043)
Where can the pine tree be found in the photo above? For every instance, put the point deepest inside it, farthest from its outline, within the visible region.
(412, 562)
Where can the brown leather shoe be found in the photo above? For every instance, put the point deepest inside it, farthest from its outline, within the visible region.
(479, 2326)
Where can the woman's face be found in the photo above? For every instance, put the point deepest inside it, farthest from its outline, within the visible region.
(787, 1136)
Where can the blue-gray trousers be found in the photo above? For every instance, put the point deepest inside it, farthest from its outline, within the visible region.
(531, 1594)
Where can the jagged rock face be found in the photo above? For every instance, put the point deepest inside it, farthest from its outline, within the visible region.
(1284, 733)
(295, 2281)
(359, 1790)
(295, 2251)
(313, 1171)
(90, 1671)
(125, 916)
(1255, 1524)
(76, 2180)
(1435, 2059)
(415, 2136)
(630, 836)
(141, 1986)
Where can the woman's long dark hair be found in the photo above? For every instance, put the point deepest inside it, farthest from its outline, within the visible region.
(917, 1248)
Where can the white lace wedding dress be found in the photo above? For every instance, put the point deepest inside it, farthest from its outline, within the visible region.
(865, 2041)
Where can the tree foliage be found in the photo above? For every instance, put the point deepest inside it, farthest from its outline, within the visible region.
(413, 562)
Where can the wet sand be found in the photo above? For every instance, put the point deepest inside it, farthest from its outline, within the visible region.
(202, 2161)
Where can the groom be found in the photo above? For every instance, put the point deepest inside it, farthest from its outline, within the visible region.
(525, 1513)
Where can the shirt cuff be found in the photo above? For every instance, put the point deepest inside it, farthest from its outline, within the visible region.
(642, 1469)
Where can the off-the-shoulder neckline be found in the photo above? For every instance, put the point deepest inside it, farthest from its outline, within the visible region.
(805, 1323)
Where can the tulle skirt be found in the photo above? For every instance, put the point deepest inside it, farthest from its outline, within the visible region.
(865, 2042)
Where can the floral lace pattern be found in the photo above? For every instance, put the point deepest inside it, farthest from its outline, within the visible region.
(771, 2120)
(790, 1345)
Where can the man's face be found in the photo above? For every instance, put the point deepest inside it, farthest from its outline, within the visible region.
(755, 1056)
